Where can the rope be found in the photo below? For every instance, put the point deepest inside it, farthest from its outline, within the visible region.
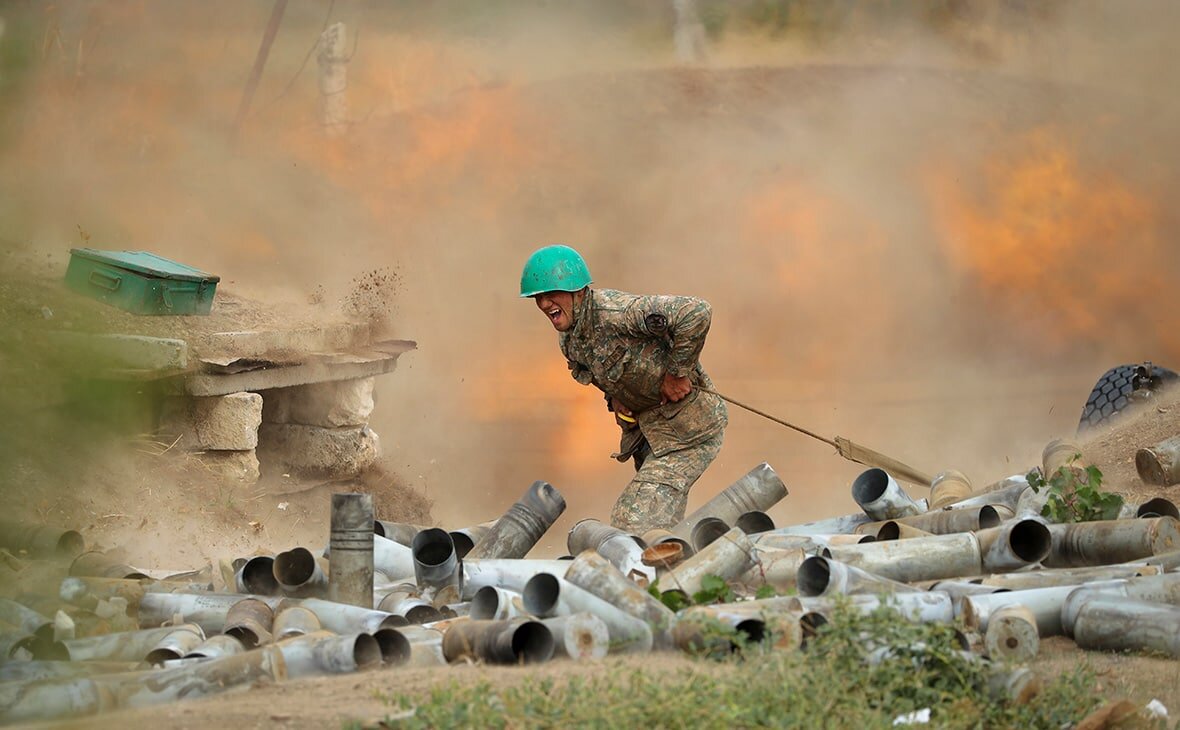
(779, 421)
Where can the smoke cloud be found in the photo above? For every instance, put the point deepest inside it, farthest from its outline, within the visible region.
(928, 234)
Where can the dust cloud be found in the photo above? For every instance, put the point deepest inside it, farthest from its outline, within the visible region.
(929, 234)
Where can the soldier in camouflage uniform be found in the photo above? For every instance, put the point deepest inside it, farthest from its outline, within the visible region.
(642, 353)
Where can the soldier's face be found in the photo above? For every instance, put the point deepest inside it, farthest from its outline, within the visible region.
(558, 306)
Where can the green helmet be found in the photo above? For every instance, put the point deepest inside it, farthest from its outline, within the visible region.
(554, 268)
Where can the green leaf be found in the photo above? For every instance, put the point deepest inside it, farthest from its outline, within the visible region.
(765, 591)
(674, 600)
(712, 584)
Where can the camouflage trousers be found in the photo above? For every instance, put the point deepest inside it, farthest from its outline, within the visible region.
(658, 494)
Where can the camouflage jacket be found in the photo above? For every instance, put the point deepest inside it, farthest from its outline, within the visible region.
(624, 344)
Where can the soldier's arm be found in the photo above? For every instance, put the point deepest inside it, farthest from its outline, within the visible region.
(684, 321)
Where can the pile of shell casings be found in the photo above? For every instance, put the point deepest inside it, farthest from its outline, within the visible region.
(81, 633)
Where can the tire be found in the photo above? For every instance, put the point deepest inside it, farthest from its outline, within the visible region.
(1121, 391)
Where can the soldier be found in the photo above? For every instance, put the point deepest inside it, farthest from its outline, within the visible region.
(642, 353)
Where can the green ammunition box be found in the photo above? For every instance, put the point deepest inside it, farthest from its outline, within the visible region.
(140, 282)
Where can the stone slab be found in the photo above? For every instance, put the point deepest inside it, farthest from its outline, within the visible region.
(311, 451)
(375, 360)
(264, 344)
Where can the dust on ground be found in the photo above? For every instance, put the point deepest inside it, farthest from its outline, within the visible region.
(128, 488)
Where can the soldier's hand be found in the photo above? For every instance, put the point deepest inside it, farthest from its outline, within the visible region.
(674, 389)
(618, 407)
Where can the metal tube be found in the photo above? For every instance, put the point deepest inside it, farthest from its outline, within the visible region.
(492, 603)
(842, 525)
(126, 646)
(880, 496)
(344, 618)
(1160, 464)
(414, 609)
(257, 577)
(298, 573)
(579, 635)
(1006, 492)
(959, 590)
(52, 699)
(1046, 578)
(714, 630)
(949, 487)
(594, 573)
(505, 573)
(402, 533)
(1119, 624)
(819, 576)
(1045, 603)
(758, 489)
(466, 537)
(40, 541)
(780, 541)
(922, 558)
(1058, 453)
(174, 645)
(706, 531)
(425, 646)
(622, 549)
(1015, 544)
(86, 592)
(664, 555)
(893, 530)
(521, 527)
(1032, 504)
(21, 646)
(782, 625)
(323, 652)
(385, 597)
(207, 610)
(435, 562)
(395, 647)
(392, 559)
(515, 641)
(25, 619)
(947, 521)
(728, 557)
(1111, 541)
(216, 647)
(1155, 588)
(1154, 507)
(778, 569)
(754, 522)
(97, 564)
(659, 536)
(34, 670)
(350, 574)
(546, 595)
(923, 607)
(1012, 635)
(249, 621)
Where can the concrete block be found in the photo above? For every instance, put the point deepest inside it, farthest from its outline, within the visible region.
(311, 451)
(329, 405)
(231, 466)
(219, 423)
(227, 422)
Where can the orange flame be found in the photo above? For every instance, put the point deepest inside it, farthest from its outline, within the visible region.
(1047, 237)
